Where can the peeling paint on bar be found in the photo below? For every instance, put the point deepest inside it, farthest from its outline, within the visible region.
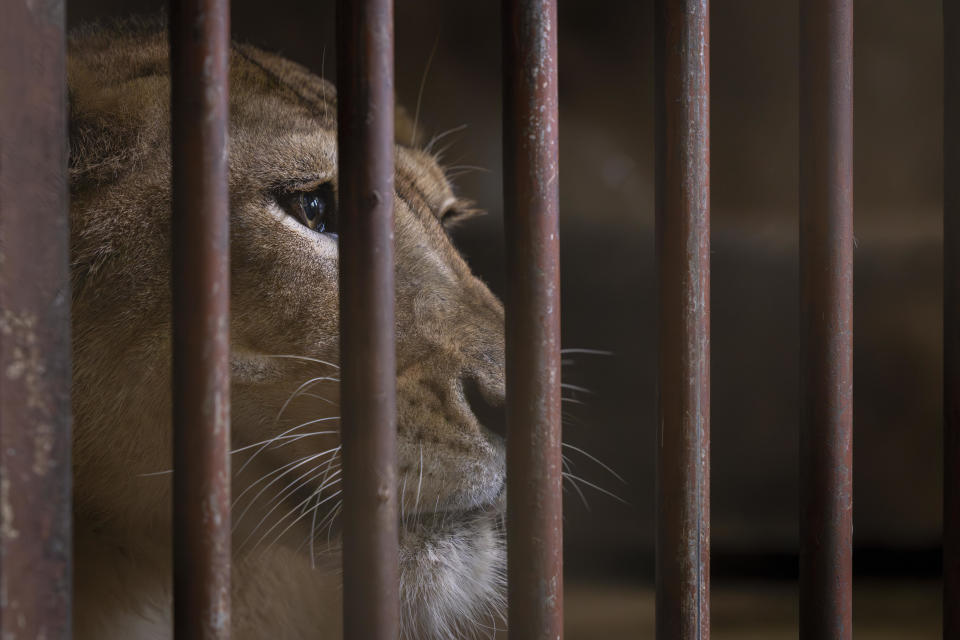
(200, 236)
(531, 207)
(36, 567)
(371, 601)
(683, 261)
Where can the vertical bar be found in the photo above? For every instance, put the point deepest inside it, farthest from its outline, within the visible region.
(951, 320)
(371, 605)
(531, 211)
(826, 318)
(683, 262)
(200, 235)
(35, 468)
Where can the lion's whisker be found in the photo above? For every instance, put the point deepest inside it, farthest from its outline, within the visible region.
(295, 357)
(440, 136)
(292, 438)
(463, 169)
(244, 448)
(319, 397)
(300, 477)
(236, 522)
(573, 387)
(403, 493)
(566, 465)
(423, 83)
(574, 478)
(573, 420)
(250, 486)
(155, 473)
(303, 480)
(596, 460)
(332, 482)
(303, 387)
(312, 539)
(330, 463)
(268, 442)
(333, 515)
(468, 167)
(307, 460)
(297, 519)
(315, 526)
(416, 505)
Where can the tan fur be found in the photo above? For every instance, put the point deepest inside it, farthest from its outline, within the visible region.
(284, 302)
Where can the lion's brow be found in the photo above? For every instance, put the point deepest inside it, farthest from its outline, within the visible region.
(410, 182)
(283, 83)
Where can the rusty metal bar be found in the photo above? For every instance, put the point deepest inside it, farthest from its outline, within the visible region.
(951, 320)
(531, 208)
(36, 569)
(200, 237)
(683, 263)
(371, 605)
(826, 318)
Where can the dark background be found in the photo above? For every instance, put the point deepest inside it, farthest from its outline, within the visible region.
(606, 87)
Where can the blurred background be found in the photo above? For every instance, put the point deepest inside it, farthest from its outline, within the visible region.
(448, 62)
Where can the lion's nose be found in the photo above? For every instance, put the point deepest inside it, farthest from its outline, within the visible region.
(488, 407)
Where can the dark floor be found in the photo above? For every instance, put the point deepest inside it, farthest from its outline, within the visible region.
(884, 610)
(757, 610)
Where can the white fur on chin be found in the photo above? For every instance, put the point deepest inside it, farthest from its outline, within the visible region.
(452, 576)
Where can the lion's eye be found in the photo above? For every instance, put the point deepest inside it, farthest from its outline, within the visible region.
(316, 209)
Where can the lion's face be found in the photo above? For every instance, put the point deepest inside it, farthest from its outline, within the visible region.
(285, 321)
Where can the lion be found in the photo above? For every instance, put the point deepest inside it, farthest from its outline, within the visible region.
(284, 355)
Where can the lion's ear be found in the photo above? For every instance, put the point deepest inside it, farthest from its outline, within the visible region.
(405, 131)
(117, 90)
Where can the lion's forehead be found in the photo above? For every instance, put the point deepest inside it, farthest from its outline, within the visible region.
(283, 116)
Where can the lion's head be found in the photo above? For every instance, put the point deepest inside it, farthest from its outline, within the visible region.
(283, 184)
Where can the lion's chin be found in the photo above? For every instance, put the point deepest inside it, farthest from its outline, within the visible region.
(452, 574)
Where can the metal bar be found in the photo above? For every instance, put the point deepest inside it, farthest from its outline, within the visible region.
(951, 321)
(371, 605)
(683, 262)
(200, 236)
(36, 568)
(531, 219)
(826, 318)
